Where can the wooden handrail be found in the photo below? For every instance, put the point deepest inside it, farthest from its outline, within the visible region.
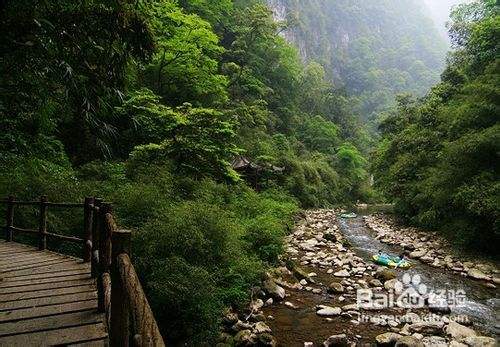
(128, 316)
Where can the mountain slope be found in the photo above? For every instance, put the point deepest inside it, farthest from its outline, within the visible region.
(374, 48)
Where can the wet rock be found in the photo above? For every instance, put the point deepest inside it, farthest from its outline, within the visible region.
(336, 341)
(317, 291)
(327, 311)
(385, 274)
(303, 282)
(387, 339)
(261, 328)
(269, 302)
(308, 344)
(480, 341)
(245, 338)
(341, 273)
(291, 305)
(408, 341)
(274, 290)
(430, 328)
(335, 288)
(458, 331)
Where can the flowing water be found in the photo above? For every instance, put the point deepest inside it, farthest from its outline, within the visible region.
(482, 304)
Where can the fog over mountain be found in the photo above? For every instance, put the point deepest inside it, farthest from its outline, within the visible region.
(439, 11)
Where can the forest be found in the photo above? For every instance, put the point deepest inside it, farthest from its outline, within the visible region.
(152, 104)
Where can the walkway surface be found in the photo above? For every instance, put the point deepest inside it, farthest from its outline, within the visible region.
(47, 299)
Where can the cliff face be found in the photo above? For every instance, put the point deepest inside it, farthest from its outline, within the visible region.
(372, 48)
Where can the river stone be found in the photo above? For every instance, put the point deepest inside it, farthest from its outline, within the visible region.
(429, 328)
(385, 274)
(244, 338)
(274, 290)
(480, 341)
(341, 273)
(458, 331)
(336, 341)
(327, 311)
(418, 253)
(477, 274)
(457, 344)
(261, 328)
(387, 339)
(408, 341)
(335, 288)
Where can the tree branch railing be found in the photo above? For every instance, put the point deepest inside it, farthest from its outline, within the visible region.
(128, 316)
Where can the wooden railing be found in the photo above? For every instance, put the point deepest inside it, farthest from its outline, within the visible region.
(127, 313)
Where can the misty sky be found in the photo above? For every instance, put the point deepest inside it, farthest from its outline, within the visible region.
(440, 10)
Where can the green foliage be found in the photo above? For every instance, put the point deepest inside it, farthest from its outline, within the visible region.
(439, 156)
(146, 105)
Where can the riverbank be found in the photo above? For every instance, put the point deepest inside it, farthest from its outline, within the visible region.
(313, 299)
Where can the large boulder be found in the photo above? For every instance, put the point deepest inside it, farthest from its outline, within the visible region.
(480, 341)
(336, 341)
(409, 341)
(273, 290)
(458, 331)
(387, 339)
(385, 274)
(429, 328)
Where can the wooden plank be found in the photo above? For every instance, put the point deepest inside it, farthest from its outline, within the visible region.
(65, 336)
(58, 274)
(46, 270)
(59, 321)
(38, 259)
(34, 266)
(46, 293)
(96, 343)
(48, 300)
(27, 282)
(44, 311)
(43, 286)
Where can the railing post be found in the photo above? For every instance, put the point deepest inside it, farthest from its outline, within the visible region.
(87, 229)
(106, 226)
(94, 265)
(42, 226)
(119, 322)
(9, 218)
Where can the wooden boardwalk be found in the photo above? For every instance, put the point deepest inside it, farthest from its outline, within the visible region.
(47, 299)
